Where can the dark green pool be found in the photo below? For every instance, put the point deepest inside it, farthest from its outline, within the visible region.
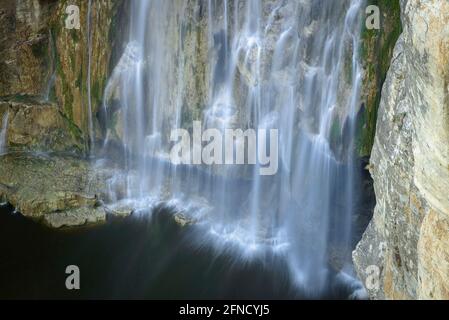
(135, 258)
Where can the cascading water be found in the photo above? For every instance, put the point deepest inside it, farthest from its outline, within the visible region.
(52, 80)
(50, 86)
(286, 65)
(3, 133)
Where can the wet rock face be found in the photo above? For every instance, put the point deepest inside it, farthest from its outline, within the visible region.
(43, 59)
(409, 235)
(38, 126)
(24, 46)
(376, 53)
(82, 70)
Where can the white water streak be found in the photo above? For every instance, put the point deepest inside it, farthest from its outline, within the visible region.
(288, 65)
(3, 133)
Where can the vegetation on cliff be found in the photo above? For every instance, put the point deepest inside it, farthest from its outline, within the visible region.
(376, 53)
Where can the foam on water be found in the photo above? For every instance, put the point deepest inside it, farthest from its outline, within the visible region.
(288, 65)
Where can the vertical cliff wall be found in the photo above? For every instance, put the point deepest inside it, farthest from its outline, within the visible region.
(376, 52)
(408, 239)
(45, 62)
(82, 60)
(24, 47)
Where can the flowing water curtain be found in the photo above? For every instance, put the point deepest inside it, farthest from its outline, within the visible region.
(3, 133)
(287, 65)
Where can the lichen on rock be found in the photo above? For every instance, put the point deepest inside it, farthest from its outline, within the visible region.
(410, 163)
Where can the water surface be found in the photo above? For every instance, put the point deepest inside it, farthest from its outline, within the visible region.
(134, 258)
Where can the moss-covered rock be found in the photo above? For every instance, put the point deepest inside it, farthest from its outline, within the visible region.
(81, 73)
(42, 58)
(408, 238)
(376, 53)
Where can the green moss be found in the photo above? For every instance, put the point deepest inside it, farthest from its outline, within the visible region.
(21, 98)
(79, 81)
(68, 103)
(57, 60)
(55, 27)
(52, 94)
(73, 61)
(40, 49)
(75, 35)
(376, 52)
(113, 27)
(66, 90)
(66, 87)
(75, 132)
(95, 92)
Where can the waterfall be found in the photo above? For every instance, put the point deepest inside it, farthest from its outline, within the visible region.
(3, 133)
(52, 80)
(286, 65)
(50, 86)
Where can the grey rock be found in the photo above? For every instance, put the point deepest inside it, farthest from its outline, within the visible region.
(75, 217)
(410, 163)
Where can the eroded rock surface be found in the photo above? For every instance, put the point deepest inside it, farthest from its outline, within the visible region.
(38, 126)
(61, 190)
(25, 47)
(43, 59)
(409, 235)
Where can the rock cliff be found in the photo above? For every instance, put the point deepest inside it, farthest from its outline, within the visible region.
(45, 61)
(38, 126)
(408, 238)
(376, 53)
(51, 88)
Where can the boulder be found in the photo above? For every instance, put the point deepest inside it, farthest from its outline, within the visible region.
(60, 190)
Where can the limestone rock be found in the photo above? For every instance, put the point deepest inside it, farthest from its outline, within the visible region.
(43, 59)
(82, 70)
(121, 209)
(25, 47)
(39, 126)
(76, 217)
(183, 220)
(410, 163)
(62, 190)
